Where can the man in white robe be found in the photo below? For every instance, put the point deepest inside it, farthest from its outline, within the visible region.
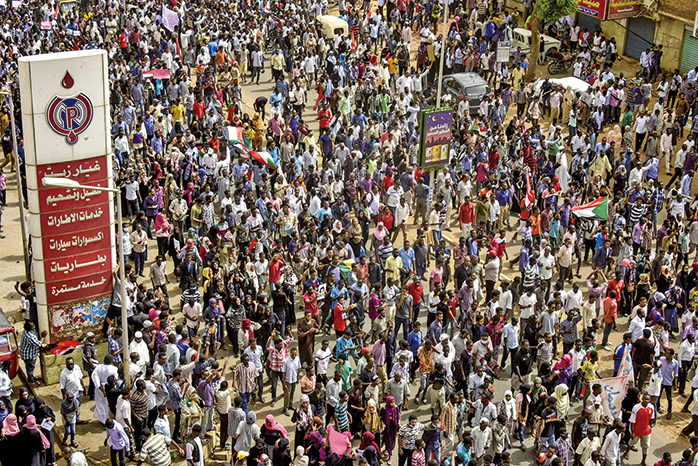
(99, 378)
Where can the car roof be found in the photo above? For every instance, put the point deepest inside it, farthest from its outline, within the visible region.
(527, 33)
(468, 78)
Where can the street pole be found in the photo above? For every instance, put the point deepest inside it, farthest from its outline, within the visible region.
(122, 283)
(27, 266)
(443, 54)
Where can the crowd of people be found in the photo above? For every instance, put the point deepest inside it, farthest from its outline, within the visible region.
(298, 256)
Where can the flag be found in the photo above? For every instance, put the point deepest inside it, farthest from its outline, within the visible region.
(477, 127)
(263, 157)
(368, 15)
(170, 19)
(179, 48)
(613, 391)
(626, 366)
(67, 347)
(267, 7)
(353, 42)
(530, 195)
(55, 12)
(345, 267)
(233, 133)
(595, 210)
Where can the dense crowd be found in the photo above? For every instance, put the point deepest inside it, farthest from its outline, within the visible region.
(296, 264)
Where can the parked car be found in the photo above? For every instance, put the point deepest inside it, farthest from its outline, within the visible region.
(469, 85)
(522, 38)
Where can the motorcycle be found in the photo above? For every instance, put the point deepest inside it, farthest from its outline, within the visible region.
(559, 63)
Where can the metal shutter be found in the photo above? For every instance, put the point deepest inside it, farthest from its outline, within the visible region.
(689, 52)
(644, 28)
(586, 21)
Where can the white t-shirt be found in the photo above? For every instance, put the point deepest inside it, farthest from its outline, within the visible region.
(322, 359)
(529, 301)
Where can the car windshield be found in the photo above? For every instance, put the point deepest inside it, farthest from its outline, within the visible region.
(476, 90)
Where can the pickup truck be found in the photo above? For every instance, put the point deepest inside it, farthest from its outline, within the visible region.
(522, 38)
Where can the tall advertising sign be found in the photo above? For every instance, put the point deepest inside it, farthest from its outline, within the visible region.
(435, 137)
(65, 115)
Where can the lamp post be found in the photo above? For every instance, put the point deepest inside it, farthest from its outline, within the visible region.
(443, 54)
(15, 148)
(72, 184)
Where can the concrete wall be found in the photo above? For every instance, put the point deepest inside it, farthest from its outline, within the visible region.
(669, 32)
(619, 31)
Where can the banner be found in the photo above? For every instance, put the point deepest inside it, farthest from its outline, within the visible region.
(594, 8)
(504, 51)
(623, 9)
(626, 367)
(170, 19)
(435, 137)
(612, 393)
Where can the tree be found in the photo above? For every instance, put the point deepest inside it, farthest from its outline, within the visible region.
(547, 11)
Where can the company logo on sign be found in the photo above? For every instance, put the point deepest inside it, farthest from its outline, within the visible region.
(69, 116)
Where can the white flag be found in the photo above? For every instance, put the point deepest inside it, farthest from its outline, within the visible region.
(613, 391)
(170, 19)
(626, 367)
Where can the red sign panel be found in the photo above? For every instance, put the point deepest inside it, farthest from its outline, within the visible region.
(74, 220)
(77, 266)
(594, 8)
(70, 244)
(72, 289)
(58, 199)
(85, 171)
(623, 9)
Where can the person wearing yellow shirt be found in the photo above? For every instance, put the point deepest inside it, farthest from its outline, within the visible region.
(393, 265)
(392, 68)
(177, 111)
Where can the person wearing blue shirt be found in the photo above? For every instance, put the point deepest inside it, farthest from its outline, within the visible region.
(670, 374)
(337, 291)
(323, 212)
(359, 118)
(407, 257)
(619, 352)
(414, 339)
(601, 236)
(345, 345)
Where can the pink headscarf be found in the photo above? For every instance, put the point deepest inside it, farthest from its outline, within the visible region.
(563, 363)
(31, 424)
(379, 233)
(10, 426)
(273, 425)
(161, 223)
(339, 443)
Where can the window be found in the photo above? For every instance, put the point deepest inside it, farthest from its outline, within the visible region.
(476, 90)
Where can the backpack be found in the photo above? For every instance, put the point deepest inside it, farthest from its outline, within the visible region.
(195, 452)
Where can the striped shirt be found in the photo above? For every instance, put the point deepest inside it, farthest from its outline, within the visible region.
(245, 377)
(30, 345)
(342, 415)
(139, 404)
(157, 448)
(277, 357)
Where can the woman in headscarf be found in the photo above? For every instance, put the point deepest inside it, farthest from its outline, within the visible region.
(301, 458)
(372, 423)
(303, 417)
(377, 239)
(4, 412)
(26, 400)
(191, 411)
(372, 456)
(615, 136)
(272, 431)
(13, 444)
(507, 407)
(248, 432)
(234, 319)
(44, 412)
(632, 398)
(548, 376)
(664, 280)
(538, 394)
(390, 416)
(368, 440)
(316, 442)
(281, 453)
(162, 232)
(564, 369)
(563, 399)
(36, 443)
(174, 244)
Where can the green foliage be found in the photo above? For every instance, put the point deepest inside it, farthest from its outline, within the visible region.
(550, 11)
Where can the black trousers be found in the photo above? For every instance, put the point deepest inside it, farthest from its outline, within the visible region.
(118, 457)
(138, 426)
(665, 389)
(177, 422)
(406, 457)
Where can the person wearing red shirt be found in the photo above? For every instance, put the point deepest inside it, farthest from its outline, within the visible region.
(416, 290)
(641, 426)
(275, 270)
(340, 316)
(616, 285)
(610, 312)
(387, 218)
(465, 216)
(324, 115)
(310, 300)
